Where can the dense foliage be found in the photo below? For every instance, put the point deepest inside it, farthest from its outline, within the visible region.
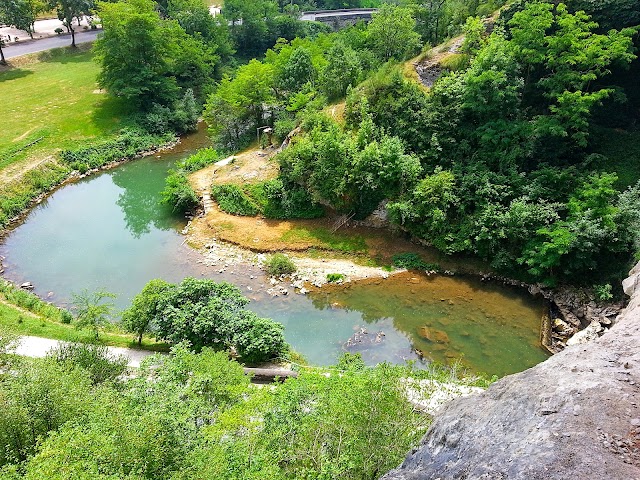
(205, 314)
(496, 159)
(187, 416)
(272, 199)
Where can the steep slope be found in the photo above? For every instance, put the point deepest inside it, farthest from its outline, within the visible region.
(574, 416)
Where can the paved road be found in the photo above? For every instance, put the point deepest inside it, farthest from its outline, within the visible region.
(39, 347)
(34, 46)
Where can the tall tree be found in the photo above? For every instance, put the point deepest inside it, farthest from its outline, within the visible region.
(21, 13)
(392, 33)
(68, 10)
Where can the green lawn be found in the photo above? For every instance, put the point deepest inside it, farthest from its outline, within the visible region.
(52, 99)
(22, 322)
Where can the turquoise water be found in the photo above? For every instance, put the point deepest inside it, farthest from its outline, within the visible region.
(109, 231)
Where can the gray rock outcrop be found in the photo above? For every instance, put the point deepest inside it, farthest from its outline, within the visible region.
(575, 415)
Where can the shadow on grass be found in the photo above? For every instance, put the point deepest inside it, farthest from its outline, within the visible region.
(64, 55)
(9, 73)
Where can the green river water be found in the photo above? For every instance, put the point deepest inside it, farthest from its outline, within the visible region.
(109, 231)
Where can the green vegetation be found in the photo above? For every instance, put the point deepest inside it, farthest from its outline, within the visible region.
(233, 200)
(52, 101)
(413, 261)
(128, 144)
(188, 415)
(335, 277)
(279, 264)
(204, 314)
(178, 193)
(270, 198)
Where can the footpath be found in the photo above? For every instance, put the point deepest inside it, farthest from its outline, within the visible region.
(39, 347)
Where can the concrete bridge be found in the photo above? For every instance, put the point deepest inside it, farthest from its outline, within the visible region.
(339, 18)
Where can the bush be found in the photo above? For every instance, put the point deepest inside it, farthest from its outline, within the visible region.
(178, 193)
(199, 160)
(334, 277)
(603, 292)
(256, 339)
(233, 200)
(130, 143)
(95, 359)
(413, 261)
(279, 264)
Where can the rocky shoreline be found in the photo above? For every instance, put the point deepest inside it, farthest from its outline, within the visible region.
(576, 415)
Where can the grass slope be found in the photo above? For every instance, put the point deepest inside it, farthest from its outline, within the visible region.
(52, 99)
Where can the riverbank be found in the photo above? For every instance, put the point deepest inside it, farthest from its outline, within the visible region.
(336, 248)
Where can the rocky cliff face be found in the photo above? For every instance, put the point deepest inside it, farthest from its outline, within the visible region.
(576, 415)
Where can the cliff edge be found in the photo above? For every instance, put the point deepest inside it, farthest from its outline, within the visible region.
(575, 415)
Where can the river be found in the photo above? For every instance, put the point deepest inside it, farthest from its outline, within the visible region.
(109, 231)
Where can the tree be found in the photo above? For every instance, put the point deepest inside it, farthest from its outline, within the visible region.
(92, 309)
(134, 53)
(207, 314)
(342, 71)
(22, 14)
(240, 104)
(68, 10)
(392, 33)
(138, 318)
(297, 71)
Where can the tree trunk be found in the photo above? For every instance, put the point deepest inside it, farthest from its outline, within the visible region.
(2, 59)
(73, 37)
(140, 339)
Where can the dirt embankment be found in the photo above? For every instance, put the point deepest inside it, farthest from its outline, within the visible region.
(318, 246)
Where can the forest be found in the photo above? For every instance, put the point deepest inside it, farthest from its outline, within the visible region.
(524, 153)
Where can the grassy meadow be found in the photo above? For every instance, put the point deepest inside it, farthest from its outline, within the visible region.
(51, 101)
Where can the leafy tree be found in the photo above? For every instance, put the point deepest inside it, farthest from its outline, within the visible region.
(146, 59)
(208, 314)
(22, 14)
(68, 10)
(298, 71)
(392, 33)
(92, 309)
(342, 71)
(139, 316)
(240, 104)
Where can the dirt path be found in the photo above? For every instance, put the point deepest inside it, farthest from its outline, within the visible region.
(38, 347)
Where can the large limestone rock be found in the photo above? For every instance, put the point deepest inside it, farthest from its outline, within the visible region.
(576, 415)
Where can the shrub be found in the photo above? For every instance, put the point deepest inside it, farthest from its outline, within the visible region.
(279, 264)
(130, 143)
(257, 339)
(178, 193)
(199, 160)
(334, 277)
(95, 359)
(58, 30)
(603, 292)
(233, 200)
(413, 261)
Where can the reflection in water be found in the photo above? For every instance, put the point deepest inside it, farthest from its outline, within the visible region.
(109, 231)
(139, 197)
